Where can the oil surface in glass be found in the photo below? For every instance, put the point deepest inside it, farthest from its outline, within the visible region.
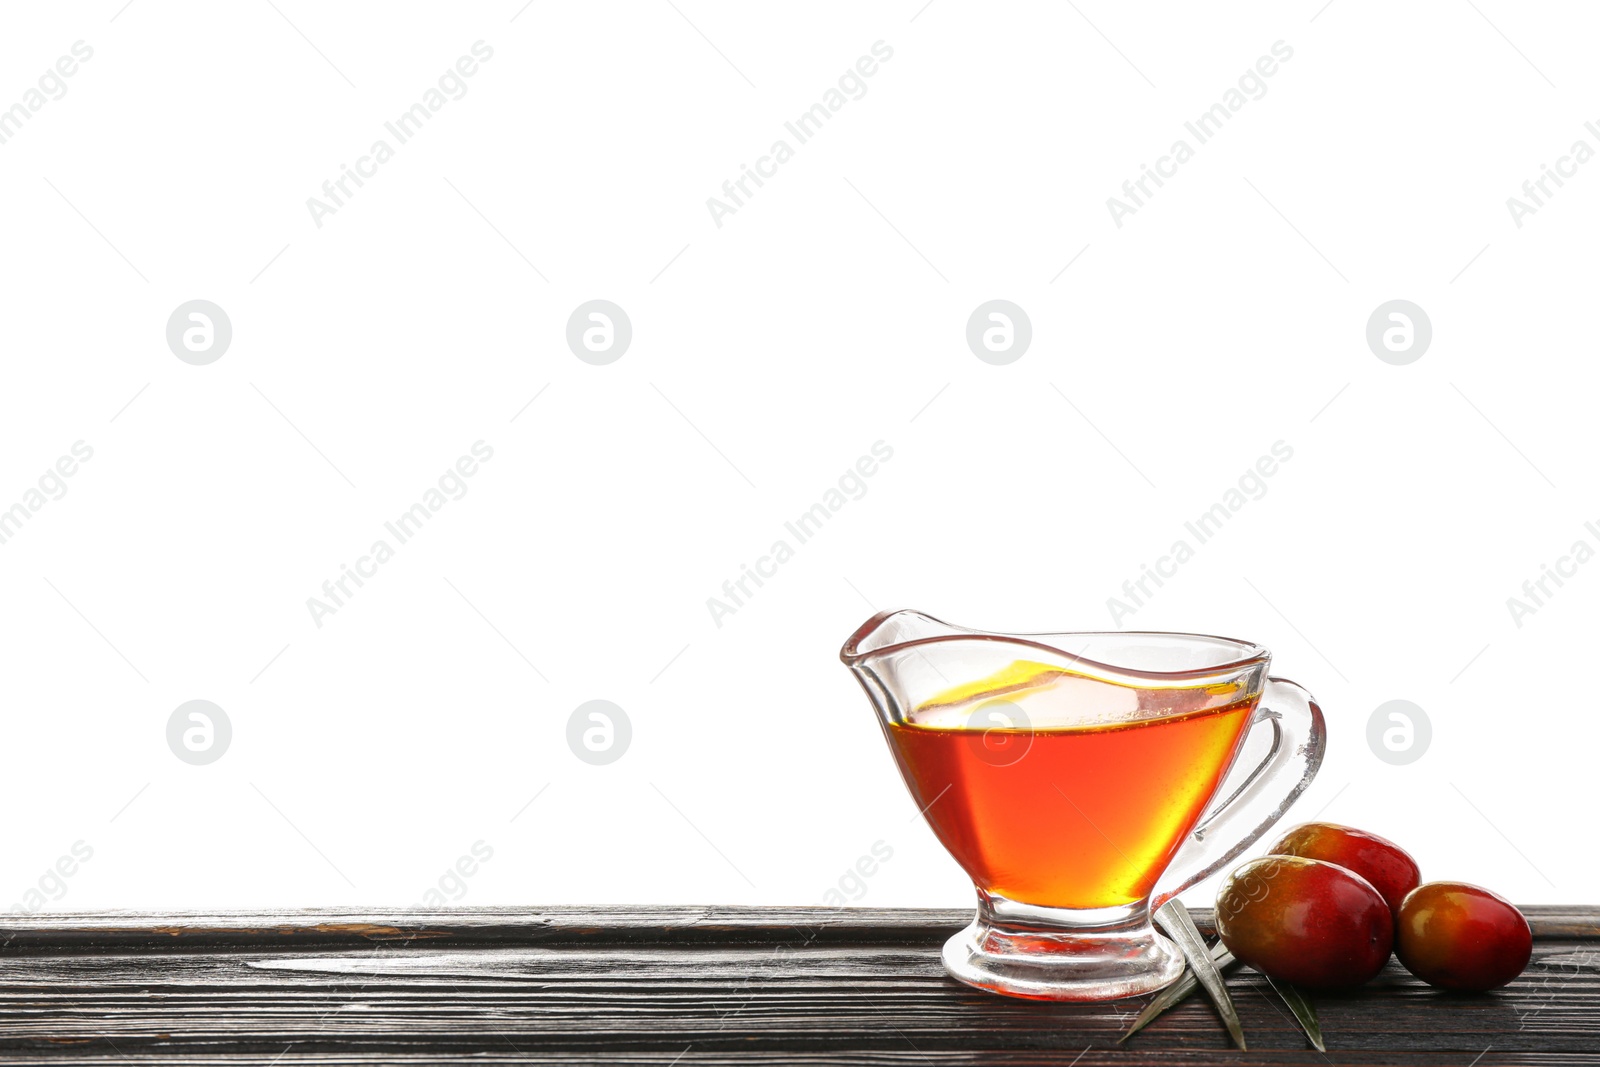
(1063, 817)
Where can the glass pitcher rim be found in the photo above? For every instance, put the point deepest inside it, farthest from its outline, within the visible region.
(1250, 653)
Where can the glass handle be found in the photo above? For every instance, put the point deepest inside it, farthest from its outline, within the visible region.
(1254, 799)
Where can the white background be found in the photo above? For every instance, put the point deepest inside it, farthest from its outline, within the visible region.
(768, 354)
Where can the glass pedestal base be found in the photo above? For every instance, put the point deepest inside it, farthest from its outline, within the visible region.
(1021, 950)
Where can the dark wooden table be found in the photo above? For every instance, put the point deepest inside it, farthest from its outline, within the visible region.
(689, 986)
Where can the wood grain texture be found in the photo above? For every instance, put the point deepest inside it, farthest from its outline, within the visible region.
(689, 986)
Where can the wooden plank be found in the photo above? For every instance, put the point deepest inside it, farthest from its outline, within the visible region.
(677, 924)
(687, 986)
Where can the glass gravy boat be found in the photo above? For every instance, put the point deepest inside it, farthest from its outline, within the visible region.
(1076, 778)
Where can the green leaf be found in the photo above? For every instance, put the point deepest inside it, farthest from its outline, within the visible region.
(1174, 919)
(1300, 1004)
(1179, 991)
